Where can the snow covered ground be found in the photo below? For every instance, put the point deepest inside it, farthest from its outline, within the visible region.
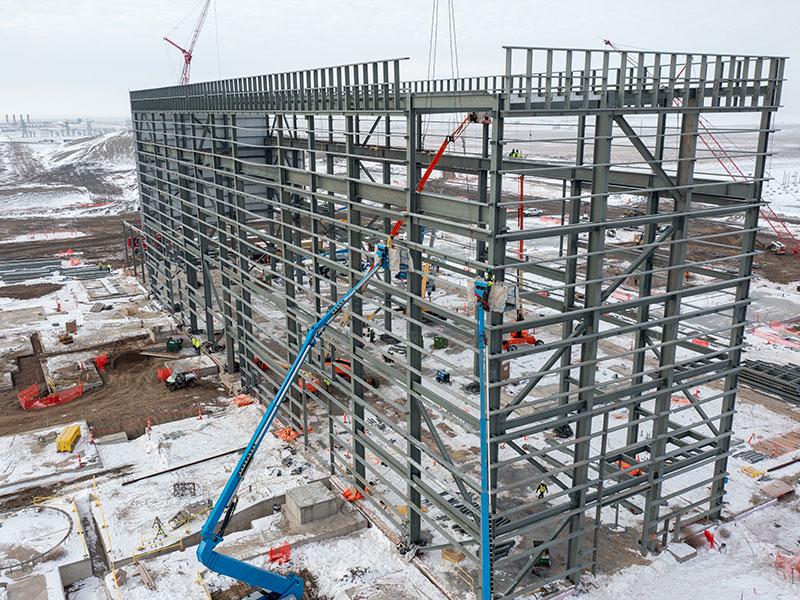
(84, 177)
(743, 569)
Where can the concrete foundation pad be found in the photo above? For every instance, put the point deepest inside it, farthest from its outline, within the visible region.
(381, 591)
(23, 317)
(309, 503)
(30, 588)
(682, 552)
(67, 370)
(112, 438)
(202, 365)
(269, 535)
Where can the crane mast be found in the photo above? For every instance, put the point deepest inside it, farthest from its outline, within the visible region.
(188, 52)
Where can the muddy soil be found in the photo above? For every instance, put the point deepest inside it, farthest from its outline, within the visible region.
(102, 242)
(131, 393)
(26, 292)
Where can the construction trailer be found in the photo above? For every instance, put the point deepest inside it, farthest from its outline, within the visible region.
(252, 188)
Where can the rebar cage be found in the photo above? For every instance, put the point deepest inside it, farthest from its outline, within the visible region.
(593, 185)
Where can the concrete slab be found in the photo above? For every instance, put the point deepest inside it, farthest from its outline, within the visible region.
(682, 552)
(32, 456)
(160, 333)
(23, 317)
(67, 370)
(29, 588)
(202, 365)
(112, 438)
(308, 503)
(276, 530)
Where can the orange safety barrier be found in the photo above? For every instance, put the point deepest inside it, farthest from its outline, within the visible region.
(164, 373)
(28, 394)
(351, 494)
(242, 400)
(28, 402)
(281, 554)
(287, 434)
(623, 465)
(790, 565)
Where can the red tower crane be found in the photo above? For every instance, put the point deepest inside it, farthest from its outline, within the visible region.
(187, 53)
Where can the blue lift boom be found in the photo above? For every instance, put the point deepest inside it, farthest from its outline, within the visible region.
(272, 585)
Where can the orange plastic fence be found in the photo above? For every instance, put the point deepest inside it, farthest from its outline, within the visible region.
(30, 403)
(287, 434)
(28, 394)
(790, 565)
(242, 400)
(281, 554)
(351, 494)
(164, 373)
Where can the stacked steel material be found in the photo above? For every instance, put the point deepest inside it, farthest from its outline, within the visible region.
(21, 270)
(779, 380)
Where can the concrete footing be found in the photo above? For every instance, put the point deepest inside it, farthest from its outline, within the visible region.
(309, 503)
(681, 552)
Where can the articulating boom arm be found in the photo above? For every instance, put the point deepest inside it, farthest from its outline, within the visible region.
(272, 585)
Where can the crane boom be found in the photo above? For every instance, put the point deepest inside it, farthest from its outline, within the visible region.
(188, 52)
(274, 586)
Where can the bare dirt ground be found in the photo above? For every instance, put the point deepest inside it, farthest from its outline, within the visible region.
(131, 393)
(102, 242)
(26, 292)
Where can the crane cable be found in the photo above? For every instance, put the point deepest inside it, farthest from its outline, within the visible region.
(719, 154)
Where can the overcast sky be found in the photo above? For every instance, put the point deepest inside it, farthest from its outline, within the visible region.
(80, 57)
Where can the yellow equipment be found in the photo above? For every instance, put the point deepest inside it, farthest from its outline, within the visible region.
(67, 438)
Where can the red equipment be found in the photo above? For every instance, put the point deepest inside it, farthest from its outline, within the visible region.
(471, 118)
(343, 367)
(521, 337)
(311, 385)
(187, 53)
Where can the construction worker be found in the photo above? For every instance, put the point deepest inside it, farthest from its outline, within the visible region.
(196, 344)
(100, 265)
(108, 267)
(542, 489)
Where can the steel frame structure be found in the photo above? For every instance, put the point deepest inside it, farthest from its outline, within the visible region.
(262, 197)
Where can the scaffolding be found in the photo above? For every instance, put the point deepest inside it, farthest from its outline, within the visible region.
(263, 198)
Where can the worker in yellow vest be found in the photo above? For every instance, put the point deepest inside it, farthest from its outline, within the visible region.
(542, 489)
(196, 344)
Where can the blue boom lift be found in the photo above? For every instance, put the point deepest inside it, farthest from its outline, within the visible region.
(272, 585)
